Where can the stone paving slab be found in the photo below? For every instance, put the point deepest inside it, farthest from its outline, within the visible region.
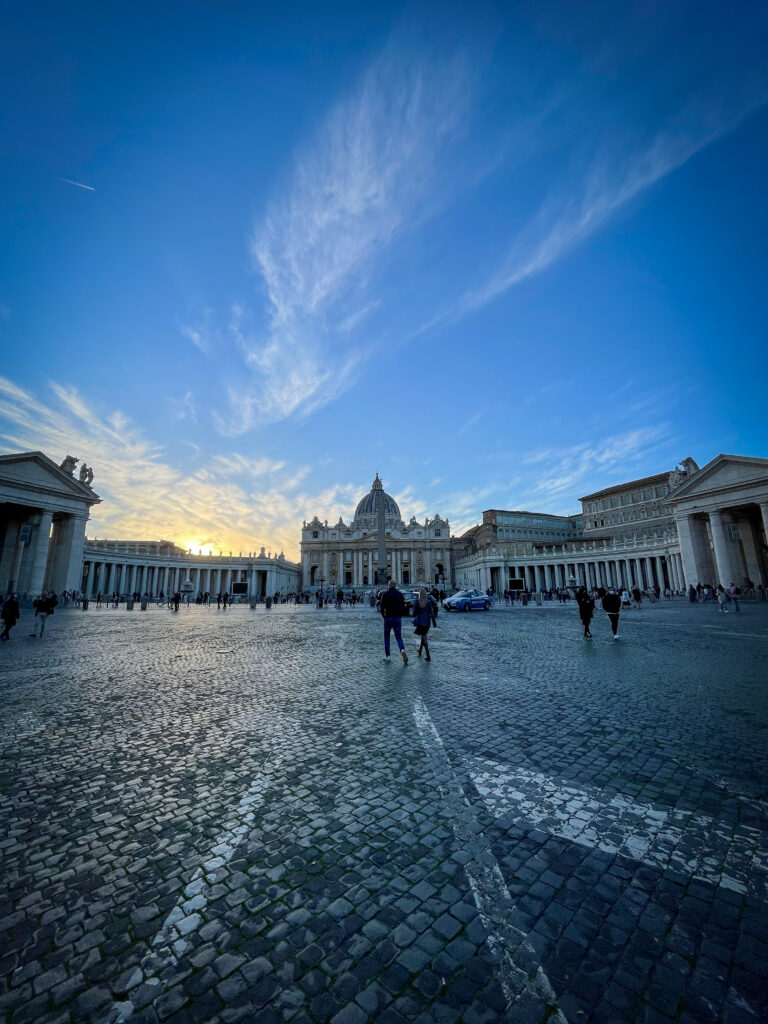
(248, 815)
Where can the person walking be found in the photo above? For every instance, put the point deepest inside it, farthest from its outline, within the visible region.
(734, 593)
(611, 603)
(586, 604)
(392, 611)
(424, 613)
(44, 607)
(722, 597)
(435, 606)
(10, 616)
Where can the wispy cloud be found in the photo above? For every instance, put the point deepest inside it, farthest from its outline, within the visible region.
(79, 184)
(203, 332)
(561, 473)
(472, 421)
(233, 502)
(367, 177)
(575, 210)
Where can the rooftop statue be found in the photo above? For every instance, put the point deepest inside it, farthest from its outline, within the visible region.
(68, 465)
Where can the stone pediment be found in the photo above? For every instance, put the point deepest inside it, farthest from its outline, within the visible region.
(36, 473)
(723, 473)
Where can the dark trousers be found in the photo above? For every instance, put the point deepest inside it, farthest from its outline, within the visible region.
(614, 617)
(389, 625)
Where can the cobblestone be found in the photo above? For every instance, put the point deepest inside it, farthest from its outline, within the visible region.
(212, 817)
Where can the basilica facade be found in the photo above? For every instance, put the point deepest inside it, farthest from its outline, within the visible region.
(347, 554)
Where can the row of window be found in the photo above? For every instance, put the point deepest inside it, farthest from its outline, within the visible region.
(333, 536)
(547, 535)
(349, 555)
(628, 498)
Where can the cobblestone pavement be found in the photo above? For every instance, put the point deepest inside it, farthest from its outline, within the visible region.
(249, 816)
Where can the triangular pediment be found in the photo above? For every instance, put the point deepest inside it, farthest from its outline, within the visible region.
(724, 472)
(36, 470)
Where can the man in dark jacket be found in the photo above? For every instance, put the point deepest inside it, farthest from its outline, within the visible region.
(611, 603)
(10, 616)
(392, 611)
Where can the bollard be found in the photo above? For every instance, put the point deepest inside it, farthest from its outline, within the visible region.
(85, 604)
(143, 604)
(129, 605)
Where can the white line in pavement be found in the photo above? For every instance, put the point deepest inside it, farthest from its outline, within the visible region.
(732, 855)
(171, 942)
(492, 897)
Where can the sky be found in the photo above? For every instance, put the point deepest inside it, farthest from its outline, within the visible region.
(503, 255)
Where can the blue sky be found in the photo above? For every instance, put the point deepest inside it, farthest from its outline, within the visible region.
(502, 255)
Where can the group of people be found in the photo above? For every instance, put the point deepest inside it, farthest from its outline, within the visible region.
(610, 602)
(392, 608)
(723, 595)
(10, 613)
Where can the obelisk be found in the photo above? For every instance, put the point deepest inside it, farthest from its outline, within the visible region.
(382, 570)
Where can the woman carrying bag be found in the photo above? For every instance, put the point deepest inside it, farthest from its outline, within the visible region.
(423, 611)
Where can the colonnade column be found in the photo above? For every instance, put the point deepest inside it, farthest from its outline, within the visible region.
(660, 571)
(685, 528)
(40, 557)
(675, 571)
(722, 555)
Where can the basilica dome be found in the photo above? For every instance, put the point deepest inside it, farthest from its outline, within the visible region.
(367, 511)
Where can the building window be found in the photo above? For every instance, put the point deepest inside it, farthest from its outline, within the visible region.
(437, 533)
(314, 534)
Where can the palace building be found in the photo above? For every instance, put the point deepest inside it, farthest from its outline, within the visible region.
(347, 554)
(673, 529)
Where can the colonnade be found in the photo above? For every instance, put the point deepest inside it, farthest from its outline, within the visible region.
(41, 550)
(109, 574)
(641, 571)
(710, 555)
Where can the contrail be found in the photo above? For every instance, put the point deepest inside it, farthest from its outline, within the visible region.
(69, 182)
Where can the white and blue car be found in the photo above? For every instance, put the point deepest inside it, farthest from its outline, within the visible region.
(467, 601)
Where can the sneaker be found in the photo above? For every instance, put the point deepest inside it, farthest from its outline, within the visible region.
(405, 657)
(616, 636)
(387, 657)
